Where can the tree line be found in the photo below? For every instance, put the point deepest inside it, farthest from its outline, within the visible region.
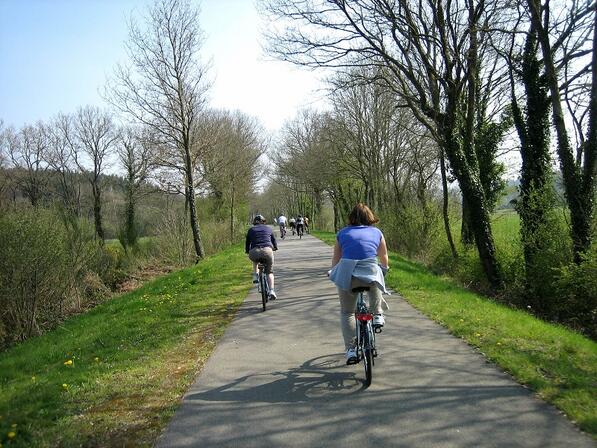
(424, 93)
(168, 150)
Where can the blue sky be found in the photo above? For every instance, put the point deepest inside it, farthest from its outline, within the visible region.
(55, 56)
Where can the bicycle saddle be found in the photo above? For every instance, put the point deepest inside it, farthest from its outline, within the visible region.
(360, 289)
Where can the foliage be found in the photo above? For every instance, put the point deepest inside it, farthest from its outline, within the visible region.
(412, 229)
(42, 266)
(576, 290)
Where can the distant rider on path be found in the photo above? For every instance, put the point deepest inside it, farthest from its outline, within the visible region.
(260, 244)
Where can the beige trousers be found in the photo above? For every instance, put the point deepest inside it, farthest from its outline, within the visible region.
(348, 303)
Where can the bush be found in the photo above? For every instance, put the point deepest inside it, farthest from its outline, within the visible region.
(412, 229)
(174, 238)
(35, 275)
(51, 266)
(576, 293)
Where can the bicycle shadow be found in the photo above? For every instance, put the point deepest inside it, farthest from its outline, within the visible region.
(319, 378)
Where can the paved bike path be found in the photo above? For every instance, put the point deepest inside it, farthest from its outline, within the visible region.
(278, 379)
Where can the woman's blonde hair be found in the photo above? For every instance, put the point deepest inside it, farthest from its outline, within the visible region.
(361, 215)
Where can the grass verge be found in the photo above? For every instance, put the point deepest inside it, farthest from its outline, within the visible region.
(560, 365)
(115, 375)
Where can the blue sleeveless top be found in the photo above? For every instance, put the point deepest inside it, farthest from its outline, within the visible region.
(359, 242)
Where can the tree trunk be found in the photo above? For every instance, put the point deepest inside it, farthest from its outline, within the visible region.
(190, 190)
(535, 175)
(445, 208)
(472, 193)
(97, 212)
(232, 215)
(466, 231)
(575, 187)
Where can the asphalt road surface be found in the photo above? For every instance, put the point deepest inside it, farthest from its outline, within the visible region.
(278, 379)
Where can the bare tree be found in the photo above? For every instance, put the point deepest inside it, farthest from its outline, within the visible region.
(61, 159)
(95, 136)
(27, 152)
(164, 88)
(430, 53)
(232, 165)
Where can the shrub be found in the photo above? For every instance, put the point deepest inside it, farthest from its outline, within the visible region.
(35, 279)
(174, 238)
(412, 229)
(576, 293)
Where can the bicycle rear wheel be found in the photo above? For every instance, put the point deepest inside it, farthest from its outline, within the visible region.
(367, 355)
(264, 290)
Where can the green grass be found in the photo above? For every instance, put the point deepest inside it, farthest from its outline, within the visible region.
(560, 365)
(114, 376)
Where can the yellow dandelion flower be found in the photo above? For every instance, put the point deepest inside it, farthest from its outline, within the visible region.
(12, 435)
(68, 363)
(96, 359)
(499, 343)
(478, 334)
(33, 378)
(65, 386)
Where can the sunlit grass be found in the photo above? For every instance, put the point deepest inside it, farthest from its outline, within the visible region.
(113, 376)
(559, 364)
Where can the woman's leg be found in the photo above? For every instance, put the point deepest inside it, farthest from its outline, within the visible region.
(374, 293)
(348, 302)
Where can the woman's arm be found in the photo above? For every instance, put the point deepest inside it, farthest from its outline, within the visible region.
(337, 254)
(382, 252)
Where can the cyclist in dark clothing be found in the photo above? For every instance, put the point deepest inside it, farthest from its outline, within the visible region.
(260, 244)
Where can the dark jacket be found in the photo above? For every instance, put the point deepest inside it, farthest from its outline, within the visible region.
(260, 235)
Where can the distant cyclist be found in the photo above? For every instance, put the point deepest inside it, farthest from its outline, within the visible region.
(260, 244)
(300, 225)
(307, 224)
(282, 223)
(292, 224)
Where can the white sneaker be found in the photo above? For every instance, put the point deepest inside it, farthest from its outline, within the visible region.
(255, 278)
(378, 320)
(272, 295)
(351, 356)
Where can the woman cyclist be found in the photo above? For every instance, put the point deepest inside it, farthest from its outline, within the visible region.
(354, 264)
(260, 244)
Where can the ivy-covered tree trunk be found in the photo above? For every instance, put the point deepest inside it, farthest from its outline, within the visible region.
(579, 182)
(472, 192)
(467, 235)
(536, 196)
(97, 211)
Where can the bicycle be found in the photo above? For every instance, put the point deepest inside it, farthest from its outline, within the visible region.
(300, 231)
(262, 285)
(365, 335)
(282, 232)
